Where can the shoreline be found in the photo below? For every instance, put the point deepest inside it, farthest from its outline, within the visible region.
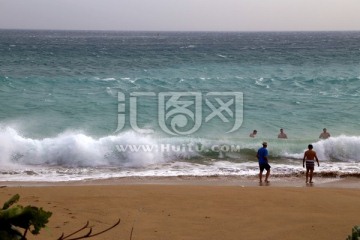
(249, 181)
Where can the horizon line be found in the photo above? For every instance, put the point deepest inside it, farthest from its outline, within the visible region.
(209, 31)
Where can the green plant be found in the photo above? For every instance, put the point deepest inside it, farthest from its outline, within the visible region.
(30, 218)
(14, 218)
(355, 235)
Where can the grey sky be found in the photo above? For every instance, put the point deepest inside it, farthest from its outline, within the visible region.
(181, 15)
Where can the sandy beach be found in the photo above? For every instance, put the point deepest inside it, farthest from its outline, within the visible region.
(191, 208)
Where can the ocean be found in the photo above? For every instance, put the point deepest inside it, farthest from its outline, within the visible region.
(80, 105)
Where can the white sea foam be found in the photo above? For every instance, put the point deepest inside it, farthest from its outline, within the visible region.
(109, 79)
(72, 156)
(343, 148)
(73, 149)
(188, 46)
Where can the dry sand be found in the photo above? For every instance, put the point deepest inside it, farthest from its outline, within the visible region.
(196, 209)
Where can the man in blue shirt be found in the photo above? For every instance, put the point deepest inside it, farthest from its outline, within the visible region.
(262, 155)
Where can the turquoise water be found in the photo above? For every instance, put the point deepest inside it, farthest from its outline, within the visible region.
(60, 109)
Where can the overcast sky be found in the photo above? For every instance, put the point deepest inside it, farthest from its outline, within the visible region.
(181, 15)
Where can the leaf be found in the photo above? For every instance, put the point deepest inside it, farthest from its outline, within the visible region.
(10, 213)
(40, 219)
(31, 216)
(24, 217)
(11, 201)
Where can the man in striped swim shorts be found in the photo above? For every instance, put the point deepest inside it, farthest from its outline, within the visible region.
(310, 156)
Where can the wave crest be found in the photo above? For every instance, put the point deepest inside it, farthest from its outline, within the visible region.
(74, 149)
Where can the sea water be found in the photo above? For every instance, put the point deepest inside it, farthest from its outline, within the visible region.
(92, 105)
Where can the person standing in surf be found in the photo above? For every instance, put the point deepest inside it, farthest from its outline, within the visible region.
(282, 134)
(262, 156)
(324, 134)
(310, 156)
(253, 134)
